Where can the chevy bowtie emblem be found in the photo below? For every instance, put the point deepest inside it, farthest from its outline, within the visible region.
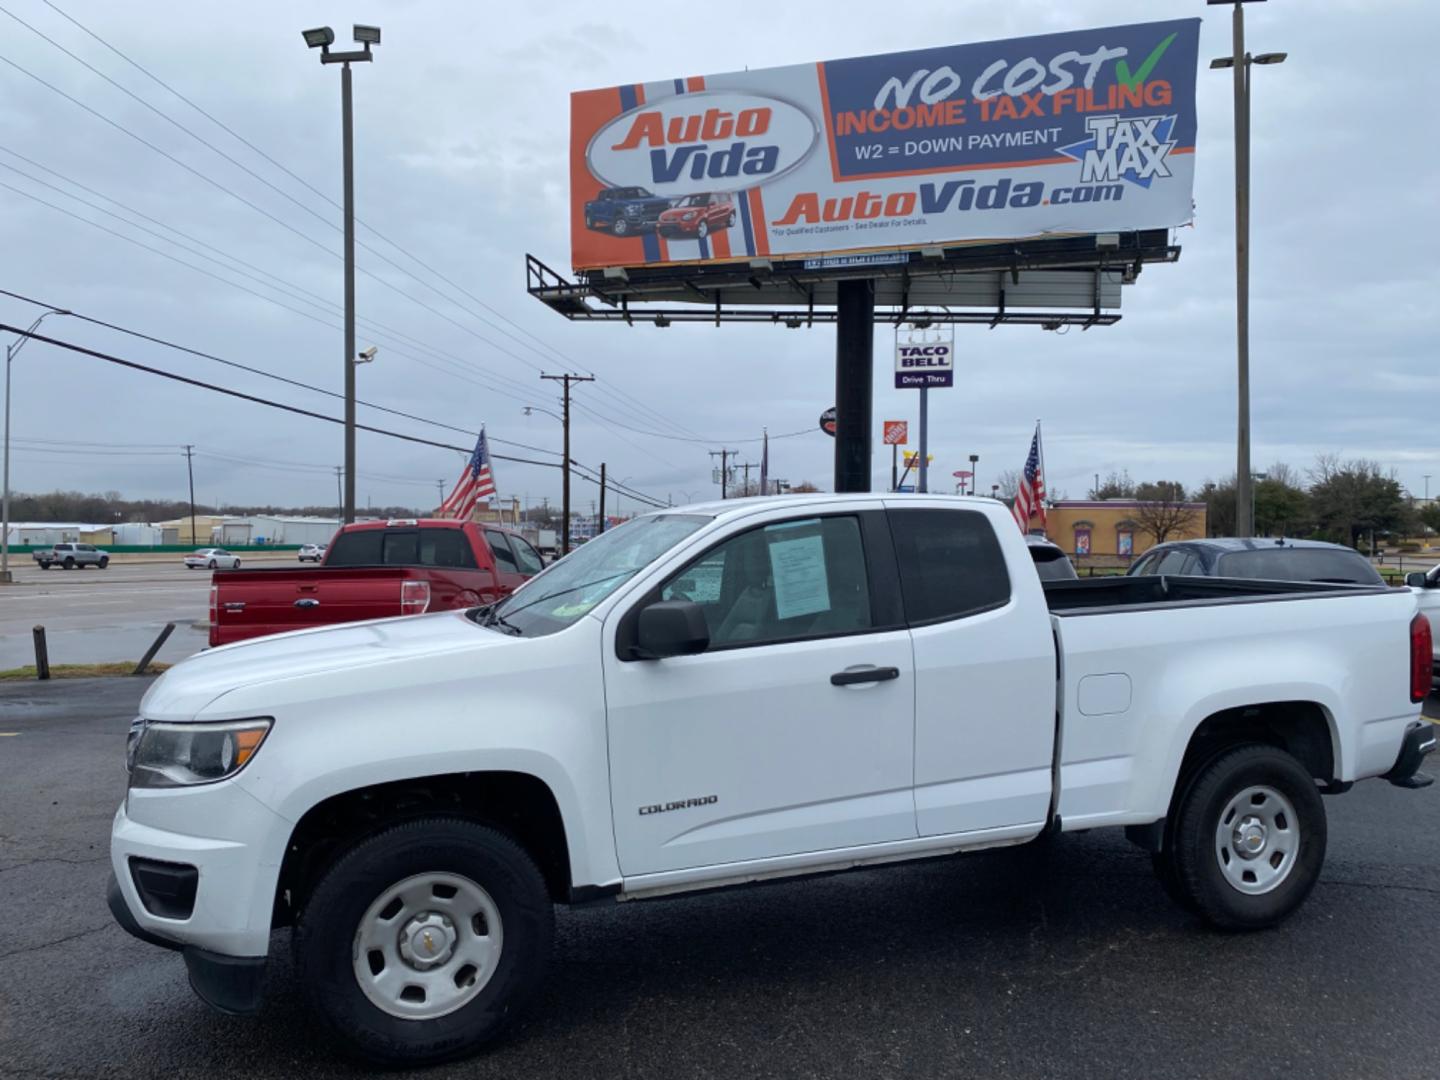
(429, 941)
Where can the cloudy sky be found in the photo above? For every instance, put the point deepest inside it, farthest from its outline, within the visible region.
(462, 166)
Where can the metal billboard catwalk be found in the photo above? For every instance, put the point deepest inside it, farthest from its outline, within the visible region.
(1051, 282)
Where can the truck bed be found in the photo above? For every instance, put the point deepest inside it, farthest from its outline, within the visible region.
(1094, 596)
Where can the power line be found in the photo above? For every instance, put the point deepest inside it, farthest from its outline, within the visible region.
(268, 402)
(619, 394)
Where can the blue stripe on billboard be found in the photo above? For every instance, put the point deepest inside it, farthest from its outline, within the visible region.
(704, 247)
(745, 223)
(628, 98)
(679, 86)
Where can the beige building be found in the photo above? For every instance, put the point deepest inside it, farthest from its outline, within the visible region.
(1109, 527)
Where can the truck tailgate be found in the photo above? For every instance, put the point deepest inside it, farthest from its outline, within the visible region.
(249, 603)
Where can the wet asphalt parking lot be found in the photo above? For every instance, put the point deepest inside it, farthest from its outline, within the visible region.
(1065, 960)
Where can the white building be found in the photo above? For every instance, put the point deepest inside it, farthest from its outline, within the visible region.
(273, 529)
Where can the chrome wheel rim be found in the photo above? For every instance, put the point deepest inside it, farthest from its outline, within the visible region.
(427, 946)
(1257, 840)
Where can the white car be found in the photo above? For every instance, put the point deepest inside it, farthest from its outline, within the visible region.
(212, 559)
(312, 552)
(724, 694)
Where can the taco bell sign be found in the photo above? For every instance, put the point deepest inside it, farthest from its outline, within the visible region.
(924, 364)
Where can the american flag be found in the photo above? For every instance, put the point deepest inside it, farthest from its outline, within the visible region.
(1030, 501)
(476, 482)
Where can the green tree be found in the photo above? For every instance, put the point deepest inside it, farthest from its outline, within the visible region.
(1429, 516)
(1219, 499)
(1115, 486)
(1282, 505)
(1353, 498)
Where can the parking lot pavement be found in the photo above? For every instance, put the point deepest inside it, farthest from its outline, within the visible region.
(93, 616)
(1056, 960)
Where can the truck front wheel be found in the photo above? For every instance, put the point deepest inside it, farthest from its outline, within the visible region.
(425, 941)
(1248, 838)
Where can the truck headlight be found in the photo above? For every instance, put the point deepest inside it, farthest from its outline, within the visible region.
(162, 755)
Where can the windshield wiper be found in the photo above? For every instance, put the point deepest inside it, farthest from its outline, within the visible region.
(559, 592)
(489, 617)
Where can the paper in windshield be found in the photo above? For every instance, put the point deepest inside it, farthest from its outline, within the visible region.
(798, 569)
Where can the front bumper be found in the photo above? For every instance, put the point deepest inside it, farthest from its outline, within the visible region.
(232, 984)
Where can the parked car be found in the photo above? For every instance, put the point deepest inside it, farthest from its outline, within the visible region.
(71, 556)
(624, 210)
(375, 569)
(1426, 587)
(1051, 562)
(698, 215)
(311, 552)
(729, 693)
(212, 559)
(1271, 560)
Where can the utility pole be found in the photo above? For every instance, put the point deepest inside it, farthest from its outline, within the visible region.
(566, 379)
(747, 467)
(724, 456)
(322, 38)
(190, 468)
(440, 489)
(1427, 487)
(339, 493)
(600, 525)
(1240, 62)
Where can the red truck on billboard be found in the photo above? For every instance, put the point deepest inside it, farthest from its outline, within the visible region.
(698, 215)
(373, 570)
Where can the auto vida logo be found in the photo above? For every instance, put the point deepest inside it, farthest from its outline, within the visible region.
(708, 141)
(683, 804)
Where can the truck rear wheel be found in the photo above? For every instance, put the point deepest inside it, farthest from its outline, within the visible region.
(1248, 838)
(424, 942)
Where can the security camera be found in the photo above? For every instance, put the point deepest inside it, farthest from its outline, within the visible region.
(366, 355)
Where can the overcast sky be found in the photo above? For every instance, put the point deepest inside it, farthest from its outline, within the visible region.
(462, 161)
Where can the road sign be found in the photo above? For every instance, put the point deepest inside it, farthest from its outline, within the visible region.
(962, 475)
(827, 421)
(912, 457)
(921, 364)
(897, 432)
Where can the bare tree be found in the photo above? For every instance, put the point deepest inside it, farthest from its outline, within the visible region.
(1008, 481)
(1165, 512)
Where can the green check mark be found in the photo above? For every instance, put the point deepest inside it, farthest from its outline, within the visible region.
(1122, 69)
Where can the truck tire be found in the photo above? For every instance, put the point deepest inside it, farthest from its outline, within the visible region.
(68, 564)
(462, 890)
(44, 566)
(1248, 838)
(620, 226)
(104, 562)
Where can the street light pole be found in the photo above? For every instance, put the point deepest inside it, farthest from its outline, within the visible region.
(1240, 62)
(11, 351)
(322, 38)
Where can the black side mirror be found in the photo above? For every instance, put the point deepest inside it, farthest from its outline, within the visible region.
(671, 628)
(1418, 579)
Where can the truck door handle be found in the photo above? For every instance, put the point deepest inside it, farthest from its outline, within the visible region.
(864, 675)
(307, 602)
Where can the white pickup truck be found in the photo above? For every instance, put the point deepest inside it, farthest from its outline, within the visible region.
(1427, 595)
(724, 694)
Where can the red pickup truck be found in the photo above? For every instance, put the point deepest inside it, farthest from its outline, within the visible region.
(373, 570)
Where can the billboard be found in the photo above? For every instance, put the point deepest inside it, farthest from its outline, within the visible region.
(840, 161)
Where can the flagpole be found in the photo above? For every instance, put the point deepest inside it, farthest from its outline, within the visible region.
(1040, 448)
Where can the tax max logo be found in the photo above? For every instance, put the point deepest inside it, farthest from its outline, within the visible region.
(1132, 148)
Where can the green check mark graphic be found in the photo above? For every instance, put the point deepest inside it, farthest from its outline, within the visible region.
(1122, 69)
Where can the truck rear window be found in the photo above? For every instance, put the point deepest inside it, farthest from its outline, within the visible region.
(402, 547)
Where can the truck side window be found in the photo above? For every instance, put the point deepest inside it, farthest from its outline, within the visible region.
(445, 547)
(781, 582)
(951, 564)
(360, 548)
(500, 547)
(528, 557)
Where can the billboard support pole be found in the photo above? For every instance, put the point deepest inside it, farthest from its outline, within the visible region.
(894, 466)
(923, 484)
(854, 382)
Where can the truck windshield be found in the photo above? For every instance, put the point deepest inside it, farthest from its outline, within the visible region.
(571, 587)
